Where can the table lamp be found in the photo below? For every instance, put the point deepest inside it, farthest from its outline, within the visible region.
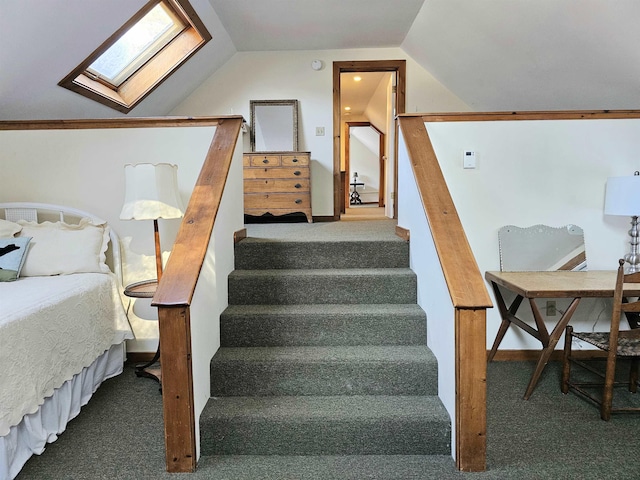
(151, 193)
(623, 198)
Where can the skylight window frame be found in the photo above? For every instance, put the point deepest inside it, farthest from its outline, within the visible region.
(179, 24)
(151, 73)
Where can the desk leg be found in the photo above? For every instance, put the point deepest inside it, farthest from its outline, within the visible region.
(506, 314)
(542, 328)
(556, 333)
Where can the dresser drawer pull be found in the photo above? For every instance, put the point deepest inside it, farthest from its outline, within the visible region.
(266, 160)
(297, 185)
(297, 173)
(295, 160)
(298, 201)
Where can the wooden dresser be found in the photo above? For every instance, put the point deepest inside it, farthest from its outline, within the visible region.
(277, 183)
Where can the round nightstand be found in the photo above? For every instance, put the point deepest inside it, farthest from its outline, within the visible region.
(146, 289)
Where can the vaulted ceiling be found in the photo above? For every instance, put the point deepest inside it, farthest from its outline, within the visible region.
(492, 54)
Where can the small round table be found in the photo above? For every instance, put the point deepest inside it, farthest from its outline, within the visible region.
(354, 199)
(146, 289)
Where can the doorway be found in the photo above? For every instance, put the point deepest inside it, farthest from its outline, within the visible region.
(364, 165)
(341, 180)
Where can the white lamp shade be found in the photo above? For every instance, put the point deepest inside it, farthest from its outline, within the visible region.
(151, 192)
(623, 196)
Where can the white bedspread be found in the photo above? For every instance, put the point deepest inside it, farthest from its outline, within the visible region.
(50, 329)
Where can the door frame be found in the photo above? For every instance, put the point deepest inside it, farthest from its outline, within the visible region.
(382, 180)
(397, 66)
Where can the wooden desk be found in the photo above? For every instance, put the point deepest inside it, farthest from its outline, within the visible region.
(556, 284)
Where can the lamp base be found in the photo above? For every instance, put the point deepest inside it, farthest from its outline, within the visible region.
(633, 257)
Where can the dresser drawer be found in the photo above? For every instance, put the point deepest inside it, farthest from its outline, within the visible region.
(281, 172)
(291, 201)
(264, 160)
(276, 185)
(295, 160)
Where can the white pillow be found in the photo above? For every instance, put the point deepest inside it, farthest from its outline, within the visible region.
(60, 248)
(8, 229)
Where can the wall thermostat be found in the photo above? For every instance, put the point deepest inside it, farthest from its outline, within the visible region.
(469, 159)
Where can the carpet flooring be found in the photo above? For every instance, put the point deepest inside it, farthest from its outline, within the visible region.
(119, 435)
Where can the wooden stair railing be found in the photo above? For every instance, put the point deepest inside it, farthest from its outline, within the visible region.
(175, 292)
(468, 294)
(179, 279)
(464, 280)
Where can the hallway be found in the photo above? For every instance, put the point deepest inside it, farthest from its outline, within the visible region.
(363, 212)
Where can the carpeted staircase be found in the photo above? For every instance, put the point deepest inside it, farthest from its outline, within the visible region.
(323, 353)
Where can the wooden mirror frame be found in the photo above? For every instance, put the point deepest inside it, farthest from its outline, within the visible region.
(278, 103)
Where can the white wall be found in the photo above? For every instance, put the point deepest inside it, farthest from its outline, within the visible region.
(212, 295)
(528, 173)
(539, 172)
(433, 295)
(376, 111)
(84, 169)
(288, 75)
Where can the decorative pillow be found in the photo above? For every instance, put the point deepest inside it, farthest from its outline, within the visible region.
(60, 248)
(13, 252)
(8, 229)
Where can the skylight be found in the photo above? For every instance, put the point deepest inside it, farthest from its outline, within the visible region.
(143, 40)
(140, 55)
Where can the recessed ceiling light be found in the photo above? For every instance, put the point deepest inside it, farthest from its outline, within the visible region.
(347, 108)
(357, 78)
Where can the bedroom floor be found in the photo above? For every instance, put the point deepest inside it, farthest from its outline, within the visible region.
(119, 435)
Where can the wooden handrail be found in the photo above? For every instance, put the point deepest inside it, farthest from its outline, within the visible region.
(530, 115)
(175, 292)
(464, 280)
(468, 294)
(133, 122)
(183, 267)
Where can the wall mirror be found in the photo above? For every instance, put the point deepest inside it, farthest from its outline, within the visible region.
(542, 248)
(274, 125)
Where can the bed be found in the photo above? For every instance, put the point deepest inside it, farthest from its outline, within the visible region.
(63, 325)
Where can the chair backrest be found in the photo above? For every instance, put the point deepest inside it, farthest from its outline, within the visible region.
(541, 248)
(621, 304)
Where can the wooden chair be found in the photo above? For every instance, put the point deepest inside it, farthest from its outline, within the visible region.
(616, 342)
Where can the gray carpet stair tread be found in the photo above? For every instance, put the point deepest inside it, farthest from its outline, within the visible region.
(337, 467)
(328, 408)
(306, 354)
(263, 254)
(344, 370)
(335, 425)
(348, 310)
(323, 324)
(318, 286)
(326, 272)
